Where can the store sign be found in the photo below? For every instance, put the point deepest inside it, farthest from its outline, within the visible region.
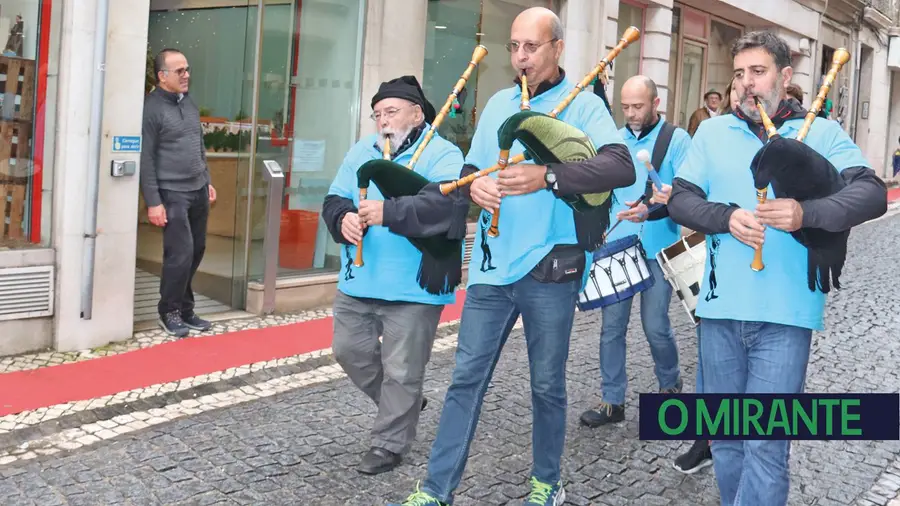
(126, 144)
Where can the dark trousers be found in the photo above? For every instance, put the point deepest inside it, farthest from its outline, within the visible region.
(184, 242)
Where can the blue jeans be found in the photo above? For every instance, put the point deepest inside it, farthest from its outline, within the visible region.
(488, 316)
(753, 357)
(698, 389)
(655, 321)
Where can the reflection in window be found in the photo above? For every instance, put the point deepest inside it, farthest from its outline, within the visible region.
(24, 184)
(454, 28)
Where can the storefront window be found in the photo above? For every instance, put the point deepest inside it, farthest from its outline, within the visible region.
(699, 61)
(309, 103)
(25, 182)
(454, 28)
(628, 63)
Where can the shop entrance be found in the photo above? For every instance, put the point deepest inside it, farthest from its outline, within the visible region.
(218, 39)
(282, 87)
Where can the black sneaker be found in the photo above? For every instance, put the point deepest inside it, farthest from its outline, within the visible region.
(605, 413)
(192, 321)
(173, 324)
(698, 457)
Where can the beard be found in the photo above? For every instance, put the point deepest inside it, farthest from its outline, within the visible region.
(770, 102)
(396, 135)
(639, 124)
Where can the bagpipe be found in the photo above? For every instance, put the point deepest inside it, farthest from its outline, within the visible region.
(441, 267)
(548, 140)
(798, 172)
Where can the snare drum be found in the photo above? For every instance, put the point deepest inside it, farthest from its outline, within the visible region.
(618, 272)
(683, 265)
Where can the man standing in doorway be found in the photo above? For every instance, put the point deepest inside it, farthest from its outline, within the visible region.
(710, 109)
(176, 186)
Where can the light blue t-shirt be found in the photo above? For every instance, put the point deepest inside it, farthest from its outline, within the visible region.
(719, 163)
(530, 225)
(391, 262)
(658, 234)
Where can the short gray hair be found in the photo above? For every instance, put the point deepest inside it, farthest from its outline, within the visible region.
(556, 28)
(773, 44)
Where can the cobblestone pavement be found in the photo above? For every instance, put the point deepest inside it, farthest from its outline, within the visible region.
(298, 443)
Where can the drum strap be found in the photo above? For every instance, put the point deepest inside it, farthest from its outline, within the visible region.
(662, 144)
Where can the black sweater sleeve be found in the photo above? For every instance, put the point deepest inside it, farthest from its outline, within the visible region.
(611, 168)
(333, 210)
(689, 208)
(864, 198)
(428, 213)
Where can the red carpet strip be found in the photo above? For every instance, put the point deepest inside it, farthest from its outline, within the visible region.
(167, 362)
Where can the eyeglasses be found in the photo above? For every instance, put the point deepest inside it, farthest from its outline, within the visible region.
(180, 71)
(387, 113)
(530, 47)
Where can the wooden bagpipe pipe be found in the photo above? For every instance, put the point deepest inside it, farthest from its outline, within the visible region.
(548, 140)
(441, 266)
(798, 172)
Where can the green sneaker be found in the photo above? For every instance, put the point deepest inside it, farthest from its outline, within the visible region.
(545, 494)
(419, 498)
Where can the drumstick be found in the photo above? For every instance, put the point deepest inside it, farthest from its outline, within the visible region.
(643, 156)
(632, 206)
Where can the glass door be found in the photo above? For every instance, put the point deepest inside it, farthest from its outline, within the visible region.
(214, 37)
(693, 77)
(307, 113)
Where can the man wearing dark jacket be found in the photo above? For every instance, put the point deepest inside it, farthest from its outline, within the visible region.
(386, 313)
(176, 186)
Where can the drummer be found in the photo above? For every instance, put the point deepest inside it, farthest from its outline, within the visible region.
(643, 123)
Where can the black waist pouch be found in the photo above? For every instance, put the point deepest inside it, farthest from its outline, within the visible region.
(564, 263)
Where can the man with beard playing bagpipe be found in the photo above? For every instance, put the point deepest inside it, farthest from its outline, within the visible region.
(755, 333)
(398, 291)
(538, 248)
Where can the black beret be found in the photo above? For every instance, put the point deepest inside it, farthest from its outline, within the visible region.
(407, 88)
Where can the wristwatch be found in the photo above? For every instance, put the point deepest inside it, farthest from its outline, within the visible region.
(550, 179)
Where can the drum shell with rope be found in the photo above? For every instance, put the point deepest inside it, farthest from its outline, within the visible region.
(683, 265)
(618, 271)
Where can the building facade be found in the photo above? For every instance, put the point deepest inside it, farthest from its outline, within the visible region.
(291, 82)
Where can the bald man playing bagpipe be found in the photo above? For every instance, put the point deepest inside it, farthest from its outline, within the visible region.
(536, 249)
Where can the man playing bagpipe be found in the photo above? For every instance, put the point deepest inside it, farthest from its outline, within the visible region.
(387, 297)
(644, 129)
(537, 264)
(756, 322)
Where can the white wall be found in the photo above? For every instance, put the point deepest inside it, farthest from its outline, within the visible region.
(117, 212)
(872, 134)
(394, 46)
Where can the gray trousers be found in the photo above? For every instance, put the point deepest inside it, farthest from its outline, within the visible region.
(390, 372)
